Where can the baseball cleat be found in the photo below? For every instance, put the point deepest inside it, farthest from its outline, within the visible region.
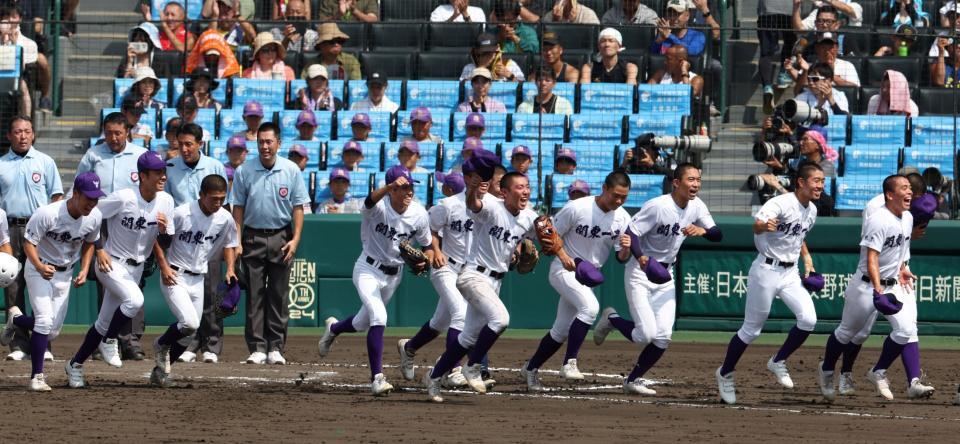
(847, 386)
(636, 387)
(472, 374)
(728, 390)
(210, 357)
(161, 356)
(187, 356)
(39, 383)
(825, 380)
(604, 326)
(257, 358)
(47, 356)
(159, 378)
(10, 330)
(918, 390)
(380, 386)
(532, 378)
(17, 355)
(275, 358)
(326, 341)
(570, 371)
(110, 350)
(455, 378)
(74, 374)
(779, 370)
(433, 387)
(879, 380)
(406, 360)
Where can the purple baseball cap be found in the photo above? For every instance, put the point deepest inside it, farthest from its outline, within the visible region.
(656, 272)
(231, 295)
(150, 161)
(922, 209)
(578, 185)
(566, 153)
(89, 185)
(482, 163)
(455, 182)
(299, 150)
(471, 144)
(339, 173)
(237, 142)
(361, 119)
(586, 273)
(252, 108)
(397, 171)
(521, 149)
(475, 119)
(813, 282)
(411, 145)
(420, 114)
(352, 145)
(886, 303)
(306, 116)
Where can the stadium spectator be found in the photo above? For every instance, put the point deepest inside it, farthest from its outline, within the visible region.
(905, 12)
(268, 62)
(894, 97)
(10, 16)
(677, 70)
(376, 99)
(466, 152)
(545, 101)
(551, 54)
(571, 11)
(132, 110)
(629, 12)
(246, 8)
(948, 14)
(201, 85)
(253, 117)
(901, 43)
(171, 149)
(360, 127)
(236, 154)
(408, 155)
(317, 96)
(475, 125)
(672, 30)
(520, 159)
(143, 41)
(820, 93)
(458, 11)
(532, 10)
(228, 20)
(298, 155)
(814, 148)
(339, 64)
(940, 186)
(700, 15)
(514, 36)
(350, 157)
(577, 189)
(145, 87)
(295, 34)
(851, 10)
(943, 73)
(339, 201)
(480, 101)
(565, 162)
(213, 52)
(644, 160)
(306, 126)
(349, 11)
(774, 25)
(826, 50)
(486, 54)
(187, 110)
(610, 68)
(173, 29)
(278, 9)
(421, 121)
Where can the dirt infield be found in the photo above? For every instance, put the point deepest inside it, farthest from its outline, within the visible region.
(313, 401)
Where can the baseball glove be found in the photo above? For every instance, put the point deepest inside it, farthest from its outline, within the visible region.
(415, 258)
(550, 242)
(226, 300)
(527, 257)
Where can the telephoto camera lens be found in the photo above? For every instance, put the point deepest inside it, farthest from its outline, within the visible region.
(764, 151)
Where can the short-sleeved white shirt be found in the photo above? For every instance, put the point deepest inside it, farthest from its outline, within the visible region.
(890, 235)
(58, 236)
(449, 218)
(497, 233)
(443, 13)
(382, 229)
(588, 232)
(199, 236)
(794, 222)
(132, 222)
(659, 226)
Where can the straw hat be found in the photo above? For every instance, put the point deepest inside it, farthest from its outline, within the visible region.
(146, 73)
(330, 31)
(264, 39)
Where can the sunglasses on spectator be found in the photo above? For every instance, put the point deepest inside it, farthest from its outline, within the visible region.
(335, 41)
(816, 78)
(824, 22)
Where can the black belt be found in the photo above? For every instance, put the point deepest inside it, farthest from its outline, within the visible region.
(60, 268)
(18, 220)
(888, 282)
(176, 268)
(772, 261)
(450, 260)
(129, 262)
(491, 273)
(268, 231)
(386, 269)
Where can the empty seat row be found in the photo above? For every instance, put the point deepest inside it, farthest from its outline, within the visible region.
(877, 159)
(892, 130)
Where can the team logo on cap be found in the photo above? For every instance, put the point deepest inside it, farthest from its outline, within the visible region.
(36, 177)
(135, 176)
(284, 191)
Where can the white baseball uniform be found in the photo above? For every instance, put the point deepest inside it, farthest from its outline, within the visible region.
(381, 231)
(659, 225)
(448, 218)
(497, 234)
(874, 204)
(132, 224)
(774, 272)
(199, 237)
(348, 206)
(588, 233)
(58, 238)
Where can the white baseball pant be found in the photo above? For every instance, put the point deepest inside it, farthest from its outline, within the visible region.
(451, 307)
(653, 307)
(765, 282)
(121, 289)
(859, 312)
(48, 298)
(484, 306)
(577, 301)
(375, 290)
(185, 300)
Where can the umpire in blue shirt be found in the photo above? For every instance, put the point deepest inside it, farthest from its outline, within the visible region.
(28, 180)
(267, 200)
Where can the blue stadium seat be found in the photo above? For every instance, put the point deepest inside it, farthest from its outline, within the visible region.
(606, 97)
(877, 159)
(887, 130)
(643, 187)
(270, 93)
(495, 125)
(192, 7)
(372, 152)
(596, 127)
(434, 94)
(337, 87)
(837, 131)
(357, 91)
(441, 123)
(664, 99)
(148, 118)
(564, 89)
(217, 149)
(941, 157)
(359, 185)
(231, 121)
(527, 127)
(933, 130)
(288, 127)
(505, 92)
(452, 150)
(593, 157)
(121, 86)
(854, 191)
(219, 94)
(206, 118)
(560, 182)
(661, 124)
(381, 121)
(313, 152)
(420, 190)
(428, 154)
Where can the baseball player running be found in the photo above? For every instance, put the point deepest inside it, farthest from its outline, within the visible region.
(656, 233)
(452, 231)
(204, 230)
(883, 282)
(138, 220)
(589, 229)
(499, 227)
(390, 215)
(779, 230)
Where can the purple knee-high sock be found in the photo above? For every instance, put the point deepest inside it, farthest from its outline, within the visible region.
(485, 341)
(833, 351)
(648, 357)
(119, 319)
(911, 360)
(449, 359)
(90, 343)
(850, 353)
(38, 343)
(375, 349)
(734, 351)
(452, 337)
(176, 349)
(423, 337)
(624, 325)
(794, 340)
(344, 326)
(23, 321)
(578, 332)
(891, 350)
(170, 336)
(545, 350)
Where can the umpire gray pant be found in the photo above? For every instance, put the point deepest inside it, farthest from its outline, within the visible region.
(209, 337)
(268, 283)
(14, 293)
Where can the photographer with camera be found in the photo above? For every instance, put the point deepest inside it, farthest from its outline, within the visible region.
(654, 154)
(295, 34)
(778, 150)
